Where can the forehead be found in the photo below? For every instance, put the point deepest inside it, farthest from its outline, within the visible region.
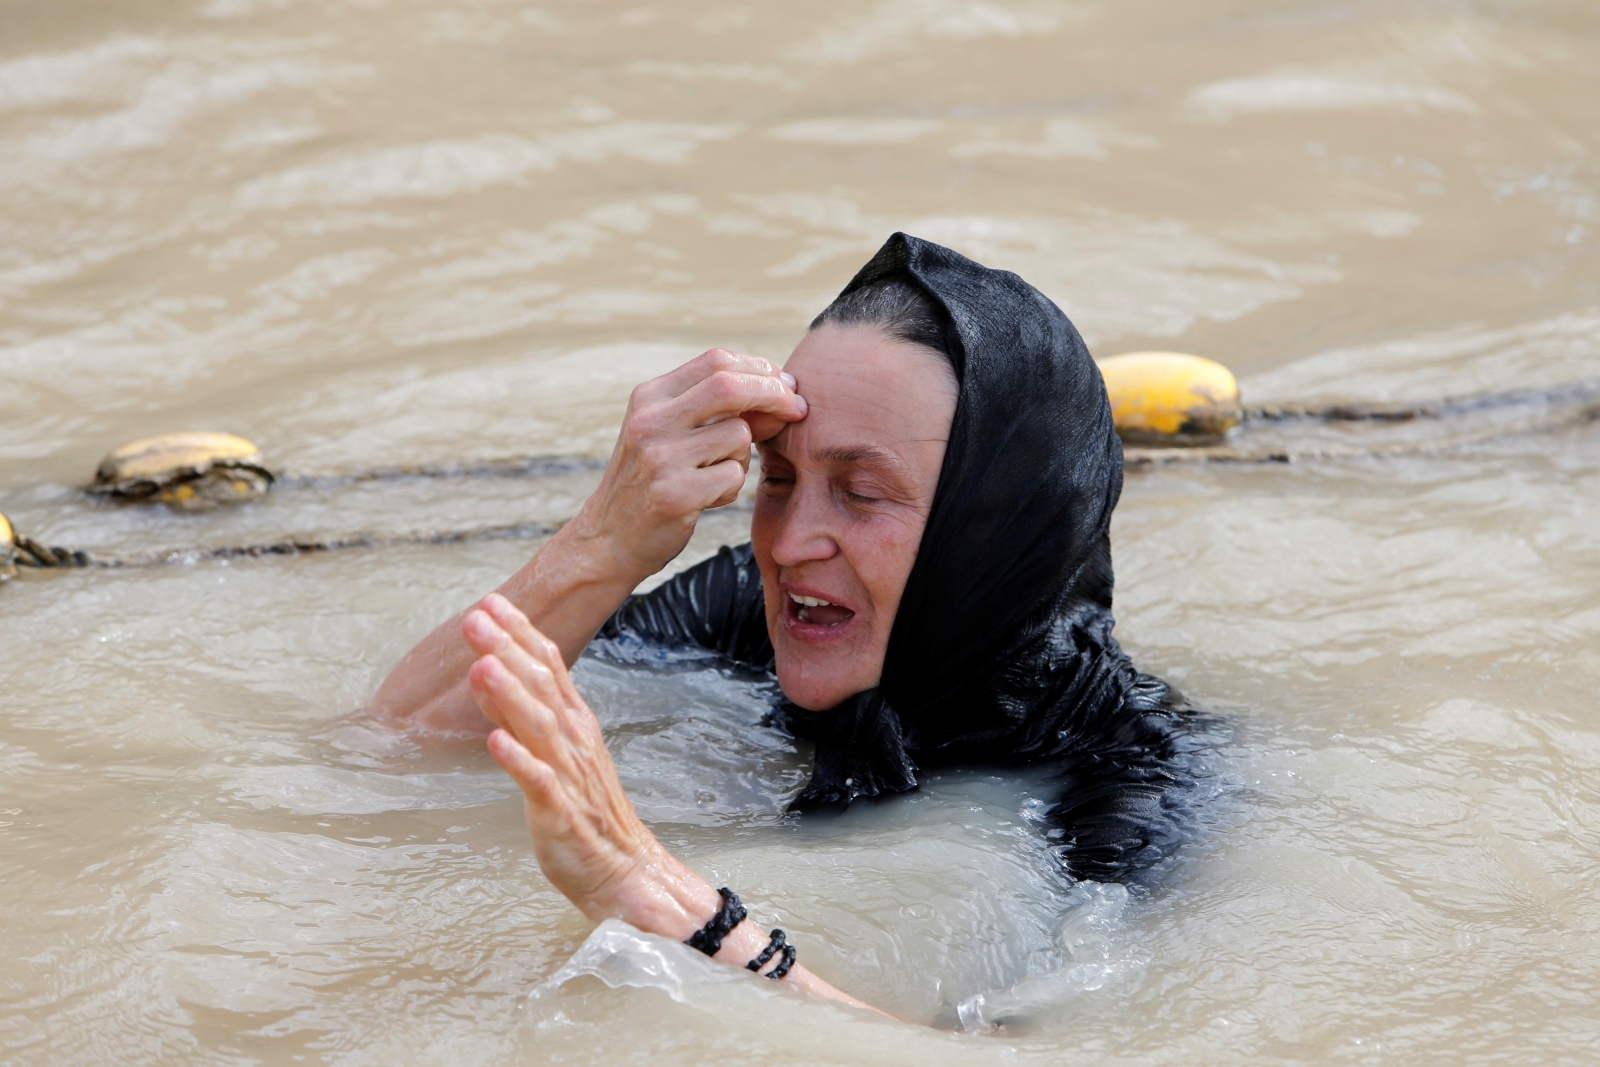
(865, 388)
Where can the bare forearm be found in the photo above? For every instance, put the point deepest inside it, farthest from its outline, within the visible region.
(679, 901)
(568, 590)
(684, 447)
(587, 836)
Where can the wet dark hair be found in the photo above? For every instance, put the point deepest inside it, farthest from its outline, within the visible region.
(897, 306)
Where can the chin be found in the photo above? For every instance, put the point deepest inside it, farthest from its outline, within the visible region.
(815, 689)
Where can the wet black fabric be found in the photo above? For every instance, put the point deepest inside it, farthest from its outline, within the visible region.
(1001, 651)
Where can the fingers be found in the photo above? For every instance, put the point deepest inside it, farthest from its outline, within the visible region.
(763, 427)
(489, 640)
(726, 394)
(720, 441)
(569, 746)
(679, 381)
(553, 680)
(548, 810)
(499, 630)
(534, 776)
(720, 483)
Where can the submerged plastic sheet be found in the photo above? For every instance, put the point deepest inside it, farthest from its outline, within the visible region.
(621, 955)
(1001, 650)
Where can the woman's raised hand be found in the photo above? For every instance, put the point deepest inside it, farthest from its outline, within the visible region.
(684, 447)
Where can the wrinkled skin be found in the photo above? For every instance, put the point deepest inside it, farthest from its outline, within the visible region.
(852, 435)
(844, 497)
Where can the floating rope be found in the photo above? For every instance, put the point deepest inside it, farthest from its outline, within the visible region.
(512, 467)
(1542, 423)
(1564, 406)
(32, 554)
(1578, 392)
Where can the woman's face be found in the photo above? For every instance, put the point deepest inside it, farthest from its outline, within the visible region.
(843, 500)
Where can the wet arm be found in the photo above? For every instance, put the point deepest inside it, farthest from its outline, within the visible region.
(586, 835)
(684, 447)
(568, 590)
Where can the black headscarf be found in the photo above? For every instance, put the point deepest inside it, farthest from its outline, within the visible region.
(1001, 650)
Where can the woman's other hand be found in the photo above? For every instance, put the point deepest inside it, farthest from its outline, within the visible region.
(589, 841)
(684, 448)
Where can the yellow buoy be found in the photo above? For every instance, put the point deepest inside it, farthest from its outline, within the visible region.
(1170, 397)
(8, 549)
(191, 471)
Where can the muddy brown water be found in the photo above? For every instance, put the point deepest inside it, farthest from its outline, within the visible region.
(376, 232)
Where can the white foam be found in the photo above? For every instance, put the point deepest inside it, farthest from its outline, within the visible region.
(848, 131)
(46, 80)
(1113, 274)
(1465, 360)
(1062, 138)
(891, 25)
(444, 168)
(1263, 93)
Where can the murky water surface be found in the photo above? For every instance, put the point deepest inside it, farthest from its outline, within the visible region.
(395, 231)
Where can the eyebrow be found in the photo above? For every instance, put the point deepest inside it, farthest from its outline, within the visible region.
(865, 455)
(870, 456)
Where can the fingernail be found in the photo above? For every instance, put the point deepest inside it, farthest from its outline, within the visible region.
(804, 407)
(788, 379)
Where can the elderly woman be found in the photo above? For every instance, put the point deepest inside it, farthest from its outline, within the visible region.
(928, 575)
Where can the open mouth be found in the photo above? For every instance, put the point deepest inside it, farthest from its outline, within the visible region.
(814, 611)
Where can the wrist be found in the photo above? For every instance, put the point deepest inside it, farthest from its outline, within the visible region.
(684, 903)
(593, 554)
(663, 896)
(573, 563)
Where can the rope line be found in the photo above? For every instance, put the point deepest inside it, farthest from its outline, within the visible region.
(32, 554)
(510, 467)
(1577, 392)
(1578, 403)
(1546, 422)
(1584, 393)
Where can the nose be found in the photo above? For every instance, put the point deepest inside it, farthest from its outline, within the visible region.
(804, 532)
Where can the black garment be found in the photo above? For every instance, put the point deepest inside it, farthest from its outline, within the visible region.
(1001, 650)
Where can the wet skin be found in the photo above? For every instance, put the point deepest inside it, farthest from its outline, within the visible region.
(852, 435)
(844, 497)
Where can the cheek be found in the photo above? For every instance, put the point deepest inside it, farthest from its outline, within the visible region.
(764, 522)
(763, 528)
(882, 551)
(767, 512)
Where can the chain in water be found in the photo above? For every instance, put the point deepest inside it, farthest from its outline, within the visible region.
(1544, 422)
(1561, 407)
(513, 467)
(32, 554)
(1581, 393)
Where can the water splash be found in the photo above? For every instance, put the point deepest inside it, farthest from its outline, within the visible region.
(1094, 914)
(623, 956)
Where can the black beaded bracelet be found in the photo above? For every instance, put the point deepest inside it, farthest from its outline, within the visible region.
(774, 946)
(783, 968)
(708, 938)
(778, 943)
